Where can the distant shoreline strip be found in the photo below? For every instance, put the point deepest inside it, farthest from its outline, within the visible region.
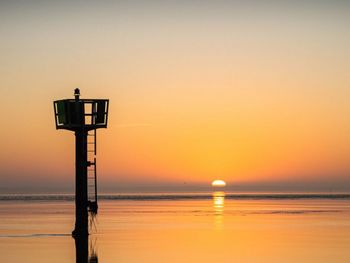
(34, 235)
(155, 197)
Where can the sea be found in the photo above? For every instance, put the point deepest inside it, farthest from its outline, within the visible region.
(179, 227)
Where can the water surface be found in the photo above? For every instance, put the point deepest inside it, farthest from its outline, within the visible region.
(180, 228)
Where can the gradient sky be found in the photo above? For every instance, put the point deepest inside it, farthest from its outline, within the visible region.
(254, 93)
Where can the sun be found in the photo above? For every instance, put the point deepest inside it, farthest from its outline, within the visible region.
(218, 183)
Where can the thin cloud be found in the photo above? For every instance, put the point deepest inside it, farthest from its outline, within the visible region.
(133, 125)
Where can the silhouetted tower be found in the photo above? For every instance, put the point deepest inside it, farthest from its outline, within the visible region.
(83, 116)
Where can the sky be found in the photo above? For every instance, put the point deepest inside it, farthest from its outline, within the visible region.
(254, 93)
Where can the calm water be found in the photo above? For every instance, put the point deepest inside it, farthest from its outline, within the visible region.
(202, 229)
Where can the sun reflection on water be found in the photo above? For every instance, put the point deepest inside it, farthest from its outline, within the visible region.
(219, 201)
(218, 205)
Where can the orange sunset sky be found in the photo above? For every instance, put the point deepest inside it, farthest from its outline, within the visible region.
(254, 93)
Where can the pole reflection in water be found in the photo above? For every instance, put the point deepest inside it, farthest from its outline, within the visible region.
(218, 205)
(83, 245)
(93, 251)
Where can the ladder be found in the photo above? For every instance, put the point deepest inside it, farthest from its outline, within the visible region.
(91, 172)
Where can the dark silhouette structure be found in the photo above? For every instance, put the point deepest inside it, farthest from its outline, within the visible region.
(81, 248)
(85, 251)
(83, 116)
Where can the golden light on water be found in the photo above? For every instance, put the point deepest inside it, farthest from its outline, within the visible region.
(219, 199)
(218, 205)
(218, 183)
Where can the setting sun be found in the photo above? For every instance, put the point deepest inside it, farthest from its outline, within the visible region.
(218, 183)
